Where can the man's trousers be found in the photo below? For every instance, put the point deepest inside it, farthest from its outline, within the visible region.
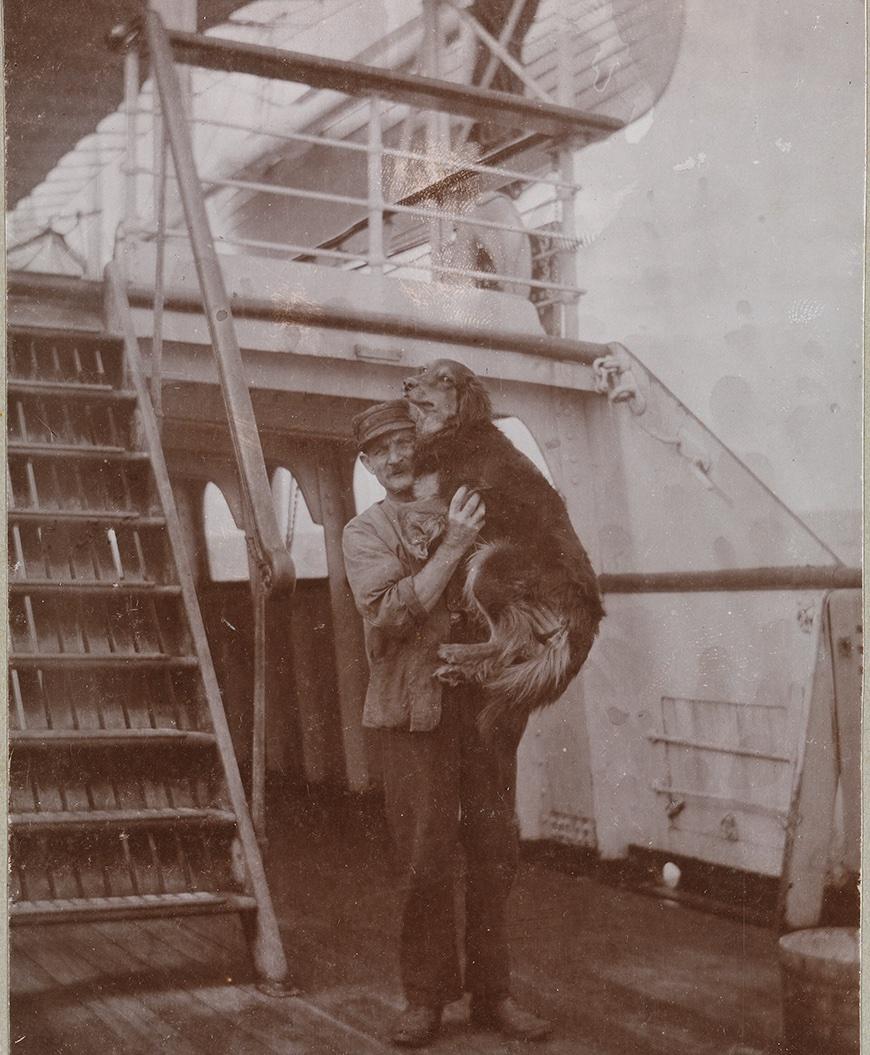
(446, 789)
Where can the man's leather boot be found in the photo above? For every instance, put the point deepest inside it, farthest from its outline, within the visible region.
(417, 1026)
(509, 1019)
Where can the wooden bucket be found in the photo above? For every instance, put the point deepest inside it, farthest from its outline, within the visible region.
(820, 991)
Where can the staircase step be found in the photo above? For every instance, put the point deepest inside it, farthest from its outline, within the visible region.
(68, 389)
(66, 819)
(128, 517)
(75, 450)
(53, 335)
(25, 386)
(124, 661)
(72, 587)
(130, 906)
(35, 739)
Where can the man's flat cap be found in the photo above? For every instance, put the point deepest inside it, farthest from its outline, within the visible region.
(380, 419)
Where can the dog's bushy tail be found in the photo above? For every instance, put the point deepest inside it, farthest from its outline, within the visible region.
(558, 639)
(524, 687)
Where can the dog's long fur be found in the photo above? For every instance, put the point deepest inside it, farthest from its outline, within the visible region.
(530, 579)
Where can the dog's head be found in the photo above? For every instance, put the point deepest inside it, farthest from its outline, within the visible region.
(446, 397)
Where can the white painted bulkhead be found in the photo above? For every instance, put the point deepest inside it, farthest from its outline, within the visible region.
(647, 492)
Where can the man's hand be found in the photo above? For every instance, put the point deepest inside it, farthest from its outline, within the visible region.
(465, 519)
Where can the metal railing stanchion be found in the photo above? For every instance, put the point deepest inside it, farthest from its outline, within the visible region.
(566, 258)
(131, 101)
(435, 147)
(160, 147)
(566, 261)
(377, 254)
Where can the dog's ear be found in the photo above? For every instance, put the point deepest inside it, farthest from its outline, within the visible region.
(474, 402)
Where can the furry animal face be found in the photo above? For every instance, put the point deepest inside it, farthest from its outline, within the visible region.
(446, 396)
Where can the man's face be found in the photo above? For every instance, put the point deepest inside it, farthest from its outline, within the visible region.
(390, 459)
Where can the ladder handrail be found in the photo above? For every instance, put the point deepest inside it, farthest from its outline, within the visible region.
(268, 550)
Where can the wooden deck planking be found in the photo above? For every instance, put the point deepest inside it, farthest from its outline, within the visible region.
(69, 1015)
(33, 1030)
(212, 948)
(365, 1011)
(217, 1015)
(124, 1007)
(620, 974)
(275, 1024)
(161, 1016)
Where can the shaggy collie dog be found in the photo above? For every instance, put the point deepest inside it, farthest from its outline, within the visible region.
(529, 580)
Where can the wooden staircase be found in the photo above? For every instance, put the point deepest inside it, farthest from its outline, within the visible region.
(125, 796)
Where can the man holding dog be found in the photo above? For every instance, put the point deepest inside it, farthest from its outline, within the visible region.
(444, 787)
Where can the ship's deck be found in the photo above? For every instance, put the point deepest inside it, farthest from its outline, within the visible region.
(620, 973)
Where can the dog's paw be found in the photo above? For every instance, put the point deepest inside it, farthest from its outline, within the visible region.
(453, 654)
(448, 674)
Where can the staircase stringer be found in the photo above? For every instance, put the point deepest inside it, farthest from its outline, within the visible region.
(264, 935)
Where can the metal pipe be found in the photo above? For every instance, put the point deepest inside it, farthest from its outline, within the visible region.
(338, 317)
(131, 97)
(375, 175)
(717, 749)
(287, 192)
(733, 580)
(496, 276)
(724, 801)
(449, 184)
(159, 277)
(291, 137)
(275, 562)
(354, 78)
(259, 705)
(468, 219)
(94, 229)
(459, 165)
(435, 146)
(443, 269)
(566, 262)
(281, 247)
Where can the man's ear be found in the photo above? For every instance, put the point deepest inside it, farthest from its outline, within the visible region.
(364, 458)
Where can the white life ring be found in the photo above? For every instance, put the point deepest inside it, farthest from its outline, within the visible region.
(508, 252)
